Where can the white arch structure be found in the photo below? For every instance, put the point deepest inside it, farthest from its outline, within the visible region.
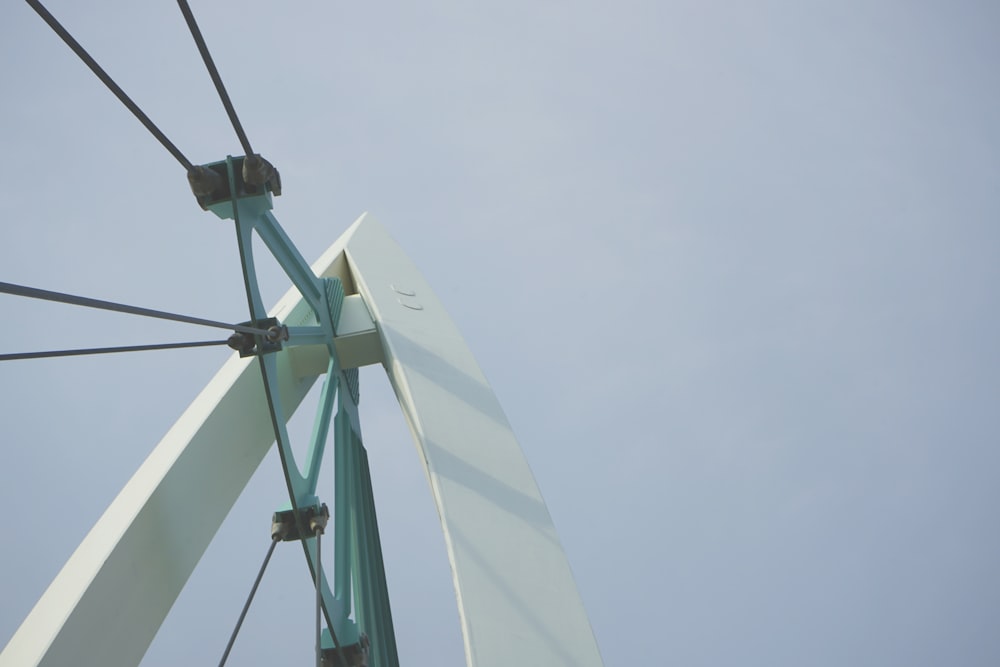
(517, 601)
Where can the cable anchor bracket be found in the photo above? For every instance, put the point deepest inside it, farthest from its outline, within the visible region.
(253, 176)
(312, 519)
(249, 345)
(356, 654)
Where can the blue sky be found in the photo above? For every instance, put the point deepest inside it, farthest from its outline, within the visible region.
(731, 269)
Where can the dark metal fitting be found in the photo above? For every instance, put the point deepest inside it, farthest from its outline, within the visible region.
(279, 528)
(241, 342)
(317, 523)
(272, 332)
(256, 170)
(310, 520)
(277, 333)
(356, 655)
(203, 181)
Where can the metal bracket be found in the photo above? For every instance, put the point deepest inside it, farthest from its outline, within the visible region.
(356, 655)
(254, 176)
(249, 345)
(289, 525)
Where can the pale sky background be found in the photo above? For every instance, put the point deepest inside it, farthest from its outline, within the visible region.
(732, 269)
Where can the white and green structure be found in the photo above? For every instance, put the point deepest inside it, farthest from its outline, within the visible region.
(362, 303)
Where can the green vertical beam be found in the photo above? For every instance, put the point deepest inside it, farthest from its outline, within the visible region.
(375, 570)
(342, 509)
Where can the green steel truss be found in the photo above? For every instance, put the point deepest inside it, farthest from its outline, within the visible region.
(356, 610)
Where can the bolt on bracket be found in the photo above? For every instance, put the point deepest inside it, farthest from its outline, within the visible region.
(313, 519)
(249, 345)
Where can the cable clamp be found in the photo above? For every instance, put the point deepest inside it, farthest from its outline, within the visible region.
(253, 177)
(312, 519)
(248, 344)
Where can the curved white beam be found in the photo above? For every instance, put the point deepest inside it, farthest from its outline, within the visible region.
(517, 601)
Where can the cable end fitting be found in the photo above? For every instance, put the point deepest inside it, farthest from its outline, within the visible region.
(277, 333)
(310, 520)
(242, 343)
(203, 181)
(259, 172)
(318, 521)
(279, 528)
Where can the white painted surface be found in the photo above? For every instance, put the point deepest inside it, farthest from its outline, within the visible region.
(518, 603)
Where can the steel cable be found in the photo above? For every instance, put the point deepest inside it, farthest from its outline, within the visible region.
(246, 606)
(109, 82)
(319, 599)
(87, 302)
(106, 350)
(213, 72)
